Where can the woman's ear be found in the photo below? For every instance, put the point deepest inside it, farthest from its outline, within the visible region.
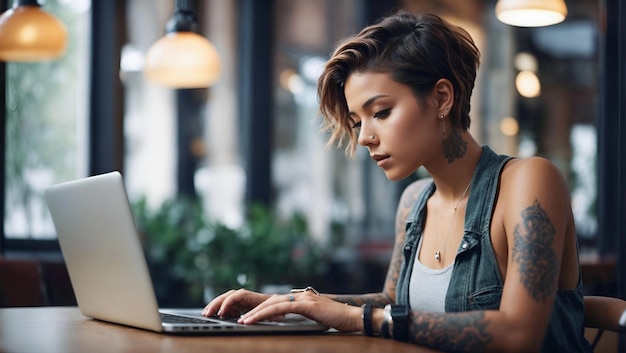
(444, 91)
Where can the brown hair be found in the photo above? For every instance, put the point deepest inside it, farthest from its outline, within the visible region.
(416, 51)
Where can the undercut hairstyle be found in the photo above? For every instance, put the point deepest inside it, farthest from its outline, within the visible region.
(414, 50)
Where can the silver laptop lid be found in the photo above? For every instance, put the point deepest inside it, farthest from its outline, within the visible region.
(103, 252)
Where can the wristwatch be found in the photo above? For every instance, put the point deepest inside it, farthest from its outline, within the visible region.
(399, 324)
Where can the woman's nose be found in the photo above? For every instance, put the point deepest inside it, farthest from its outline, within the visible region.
(366, 137)
(362, 138)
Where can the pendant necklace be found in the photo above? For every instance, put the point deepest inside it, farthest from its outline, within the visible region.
(456, 206)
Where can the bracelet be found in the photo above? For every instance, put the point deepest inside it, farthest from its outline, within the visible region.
(367, 320)
(308, 288)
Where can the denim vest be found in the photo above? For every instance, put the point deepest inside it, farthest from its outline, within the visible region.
(476, 283)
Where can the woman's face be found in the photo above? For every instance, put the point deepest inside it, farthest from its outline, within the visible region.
(407, 133)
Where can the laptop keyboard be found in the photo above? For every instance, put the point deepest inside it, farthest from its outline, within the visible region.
(178, 319)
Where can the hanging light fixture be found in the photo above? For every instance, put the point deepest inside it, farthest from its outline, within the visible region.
(182, 58)
(531, 13)
(27, 33)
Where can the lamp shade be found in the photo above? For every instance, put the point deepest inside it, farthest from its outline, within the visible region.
(531, 13)
(27, 33)
(182, 60)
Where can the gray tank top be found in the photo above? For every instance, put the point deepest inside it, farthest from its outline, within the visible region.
(428, 286)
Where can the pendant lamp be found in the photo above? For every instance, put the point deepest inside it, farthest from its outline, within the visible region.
(531, 13)
(27, 33)
(182, 58)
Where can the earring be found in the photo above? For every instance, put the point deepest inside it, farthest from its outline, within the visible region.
(443, 126)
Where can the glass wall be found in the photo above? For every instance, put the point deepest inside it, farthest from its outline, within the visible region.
(46, 125)
(310, 178)
(149, 111)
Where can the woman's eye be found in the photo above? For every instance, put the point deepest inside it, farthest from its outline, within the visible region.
(357, 125)
(381, 114)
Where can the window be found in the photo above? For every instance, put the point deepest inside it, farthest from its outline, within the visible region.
(46, 125)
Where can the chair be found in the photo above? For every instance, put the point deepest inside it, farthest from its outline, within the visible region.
(21, 283)
(604, 314)
(57, 282)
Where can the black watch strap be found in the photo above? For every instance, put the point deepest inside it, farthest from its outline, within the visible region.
(400, 317)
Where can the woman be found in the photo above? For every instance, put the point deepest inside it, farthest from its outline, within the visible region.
(485, 255)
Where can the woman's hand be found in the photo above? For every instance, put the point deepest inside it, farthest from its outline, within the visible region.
(234, 303)
(319, 308)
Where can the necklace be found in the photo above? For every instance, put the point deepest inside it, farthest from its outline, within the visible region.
(456, 206)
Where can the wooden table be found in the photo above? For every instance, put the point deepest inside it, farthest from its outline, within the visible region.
(66, 330)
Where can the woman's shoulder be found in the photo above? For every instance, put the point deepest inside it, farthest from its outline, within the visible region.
(535, 168)
(533, 179)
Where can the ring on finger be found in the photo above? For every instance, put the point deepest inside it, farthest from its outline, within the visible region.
(307, 289)
(292, 298)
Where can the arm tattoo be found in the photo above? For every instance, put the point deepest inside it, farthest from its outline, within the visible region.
(532, 250)
(377, 300)
(452, 332)
(397, 257)
(407, 202)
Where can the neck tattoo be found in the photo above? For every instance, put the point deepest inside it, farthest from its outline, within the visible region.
(456, 206)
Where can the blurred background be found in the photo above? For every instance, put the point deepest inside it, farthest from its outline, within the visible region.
(231, 183)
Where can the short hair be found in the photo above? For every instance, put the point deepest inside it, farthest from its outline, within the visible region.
(414, 50)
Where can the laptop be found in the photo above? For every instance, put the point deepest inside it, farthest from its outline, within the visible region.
(108, 269)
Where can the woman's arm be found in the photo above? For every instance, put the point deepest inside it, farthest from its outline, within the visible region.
(604, 312)
(388, 294)
(539, 226)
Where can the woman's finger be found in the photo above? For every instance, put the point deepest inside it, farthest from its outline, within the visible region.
(268, 312)
(279, 305)
(212, 307)
(235, 302)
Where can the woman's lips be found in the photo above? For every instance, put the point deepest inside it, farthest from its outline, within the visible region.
(381, 160)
